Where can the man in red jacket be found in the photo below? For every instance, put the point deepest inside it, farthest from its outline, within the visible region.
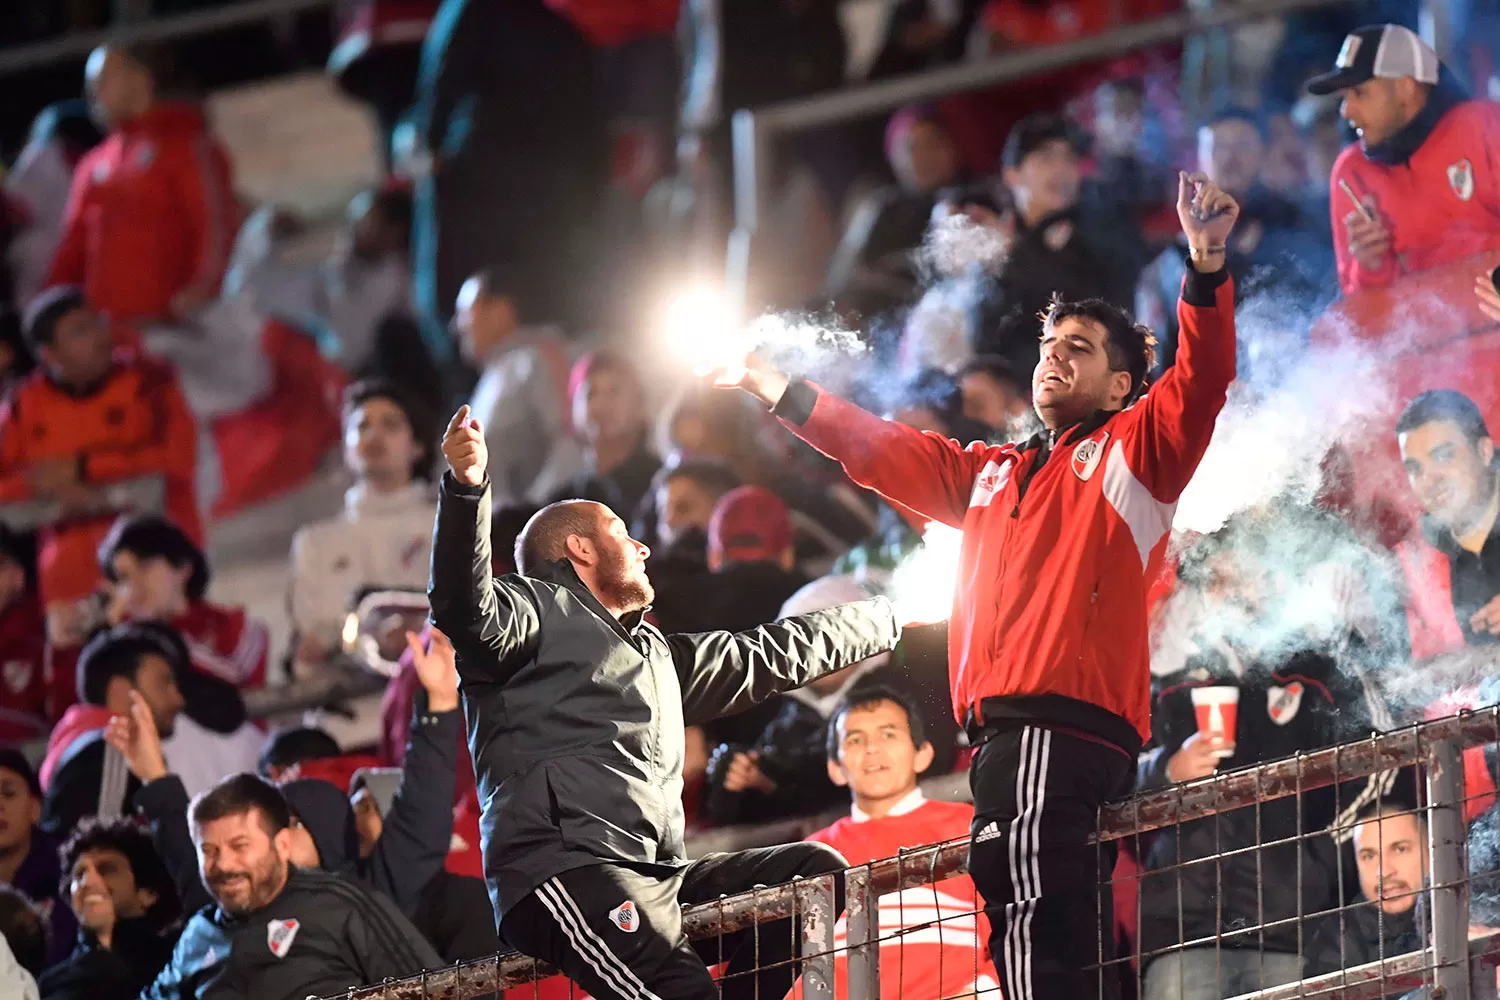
(152, 214)
(1047, 639)
(1424, 171)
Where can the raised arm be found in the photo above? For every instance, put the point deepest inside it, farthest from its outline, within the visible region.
(487, 621)
(922, 471)
(725, 672)
(1178, 414)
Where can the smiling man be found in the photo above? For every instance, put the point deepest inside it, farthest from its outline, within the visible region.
(274, 931)
(1047, 642)
(1453, 570)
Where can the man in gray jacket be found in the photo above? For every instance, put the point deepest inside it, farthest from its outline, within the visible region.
(576, 708)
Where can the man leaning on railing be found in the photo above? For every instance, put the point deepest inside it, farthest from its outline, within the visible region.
(576, 707)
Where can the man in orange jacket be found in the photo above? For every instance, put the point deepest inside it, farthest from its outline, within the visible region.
(1047, 639)
(89, 417)
(151, 215)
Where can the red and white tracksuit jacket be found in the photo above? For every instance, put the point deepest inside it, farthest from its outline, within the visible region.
(152, 211)
(1050, 621)
(1440, 206)
(934, 937)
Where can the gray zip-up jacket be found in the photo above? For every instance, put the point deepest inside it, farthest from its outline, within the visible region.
(576, 720)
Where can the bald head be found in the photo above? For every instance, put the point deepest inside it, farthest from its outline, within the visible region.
(545, 538)
(121, 84)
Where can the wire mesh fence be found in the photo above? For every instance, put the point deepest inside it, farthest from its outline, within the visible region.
(1407, 900)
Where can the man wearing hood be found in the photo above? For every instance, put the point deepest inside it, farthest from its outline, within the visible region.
(152, 211)
(1422, 168)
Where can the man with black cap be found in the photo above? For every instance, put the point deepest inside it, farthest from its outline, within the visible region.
(1065, 241)
(1418, 189)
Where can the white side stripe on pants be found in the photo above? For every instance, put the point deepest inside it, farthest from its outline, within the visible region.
(565, 922)
(623, 972)
(1025, 868)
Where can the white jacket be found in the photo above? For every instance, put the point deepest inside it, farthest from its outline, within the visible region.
(381, 540)
(15, 982)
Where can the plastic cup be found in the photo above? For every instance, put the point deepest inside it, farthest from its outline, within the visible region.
(1218, 708)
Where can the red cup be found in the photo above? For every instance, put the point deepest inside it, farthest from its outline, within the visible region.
(1218, 709)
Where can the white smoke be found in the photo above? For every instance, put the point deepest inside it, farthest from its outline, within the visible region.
(957, 244)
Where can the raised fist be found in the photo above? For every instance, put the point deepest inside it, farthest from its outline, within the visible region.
(464, 448)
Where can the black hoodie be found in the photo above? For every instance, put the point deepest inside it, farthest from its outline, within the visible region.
(138, 952)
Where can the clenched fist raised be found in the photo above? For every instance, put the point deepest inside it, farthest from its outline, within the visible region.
(464, 448)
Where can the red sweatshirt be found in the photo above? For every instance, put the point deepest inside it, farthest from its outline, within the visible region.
(934, 938)
(1442, 205)
(23, 689)
(1050, 620)
(225, 642)
(151, 211)
(134, 424)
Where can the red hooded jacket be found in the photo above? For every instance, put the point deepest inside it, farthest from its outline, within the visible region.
(151, 211)
(77, 722)
(1050, 620)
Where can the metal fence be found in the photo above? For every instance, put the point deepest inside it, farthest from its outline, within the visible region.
(1455, 960)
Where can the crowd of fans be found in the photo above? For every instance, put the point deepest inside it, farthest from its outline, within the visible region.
(175, 359)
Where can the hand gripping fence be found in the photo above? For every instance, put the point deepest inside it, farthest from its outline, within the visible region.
(1456, 962)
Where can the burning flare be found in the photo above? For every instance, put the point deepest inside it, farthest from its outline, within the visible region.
(925, 583)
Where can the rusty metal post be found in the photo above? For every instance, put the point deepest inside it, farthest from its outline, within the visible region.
(815, 907)
(1449, 872)
(863, 907)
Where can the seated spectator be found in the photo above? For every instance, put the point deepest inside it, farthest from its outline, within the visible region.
(1067, 242)
(23, 945)
(685, 493)
(28, 857)
(1423, 199)
(142, 660)
(356, 302)
(23, 637)
(156, 572)
(324, 932)
(384, 536)
(85, 421)
(873, 264)
(609, 414)
(149, 221)
(751, 559)
(520, 399)
(1275, 253)
(1129, 148)
(934, 939)
(782, 770)
(36, 187)
(997, 396)
(1299, 688)
(126, 907)
(1452, 582)
(1390, 850)
(305, 752)
(449, 900)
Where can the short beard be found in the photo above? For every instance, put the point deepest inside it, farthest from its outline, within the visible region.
(619, 592)
(265, 886)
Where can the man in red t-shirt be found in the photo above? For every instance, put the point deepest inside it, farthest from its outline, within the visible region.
(932, 936)
(23, 644)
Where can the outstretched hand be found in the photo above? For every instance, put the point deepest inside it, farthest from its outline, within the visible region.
(464, 448)
(753, 375)
(135, 736)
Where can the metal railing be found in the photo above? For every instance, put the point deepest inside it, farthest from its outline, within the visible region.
(1455, 966)
(76, 45)
(755, 132)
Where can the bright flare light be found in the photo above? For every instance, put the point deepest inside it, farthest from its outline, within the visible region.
(701, 326)
(924, 584)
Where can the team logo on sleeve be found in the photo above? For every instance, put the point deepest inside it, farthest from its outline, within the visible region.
(279, 936)
(625, 917)
(991, 480)
(1282, 702)
(1087, 455)
(17, 675)
(1461, 176)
